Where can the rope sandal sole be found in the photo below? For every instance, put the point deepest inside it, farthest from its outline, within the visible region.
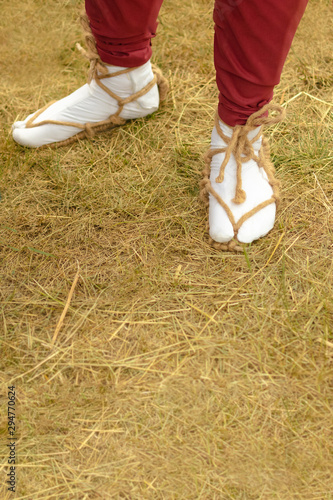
(242, 148)
(98, 72)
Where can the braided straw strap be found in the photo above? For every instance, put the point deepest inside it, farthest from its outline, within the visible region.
(241, 147)
(98, 71)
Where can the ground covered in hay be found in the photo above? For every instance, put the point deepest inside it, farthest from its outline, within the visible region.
(179, 372)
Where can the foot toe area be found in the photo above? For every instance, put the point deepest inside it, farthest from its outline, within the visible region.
(220, 227)
(20, 137)
(41, 136)
(258, 225)
(18, 124)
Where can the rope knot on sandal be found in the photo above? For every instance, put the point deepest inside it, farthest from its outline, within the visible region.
(241, 146)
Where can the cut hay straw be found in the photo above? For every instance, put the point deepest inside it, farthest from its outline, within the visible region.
(64, 312)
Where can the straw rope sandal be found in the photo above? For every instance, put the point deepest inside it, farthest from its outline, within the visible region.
(241, 147)
(98, 72)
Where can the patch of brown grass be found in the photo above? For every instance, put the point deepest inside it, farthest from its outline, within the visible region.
(180, 372)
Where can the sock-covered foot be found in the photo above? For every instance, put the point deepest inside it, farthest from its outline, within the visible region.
(90, 104)
(240, 190)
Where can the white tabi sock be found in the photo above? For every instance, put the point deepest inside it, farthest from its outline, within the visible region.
(255, 185)
(91, 104)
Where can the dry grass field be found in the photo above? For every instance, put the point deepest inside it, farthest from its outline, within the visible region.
(179, 372)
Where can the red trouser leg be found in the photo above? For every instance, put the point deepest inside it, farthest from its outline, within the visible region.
(123, 29)
(252, 40)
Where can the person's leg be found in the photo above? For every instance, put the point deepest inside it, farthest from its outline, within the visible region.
(121, 33)
(252, 40)
(123, 30)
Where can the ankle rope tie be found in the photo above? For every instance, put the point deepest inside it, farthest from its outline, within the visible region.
(98, 71)
(241, 147)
